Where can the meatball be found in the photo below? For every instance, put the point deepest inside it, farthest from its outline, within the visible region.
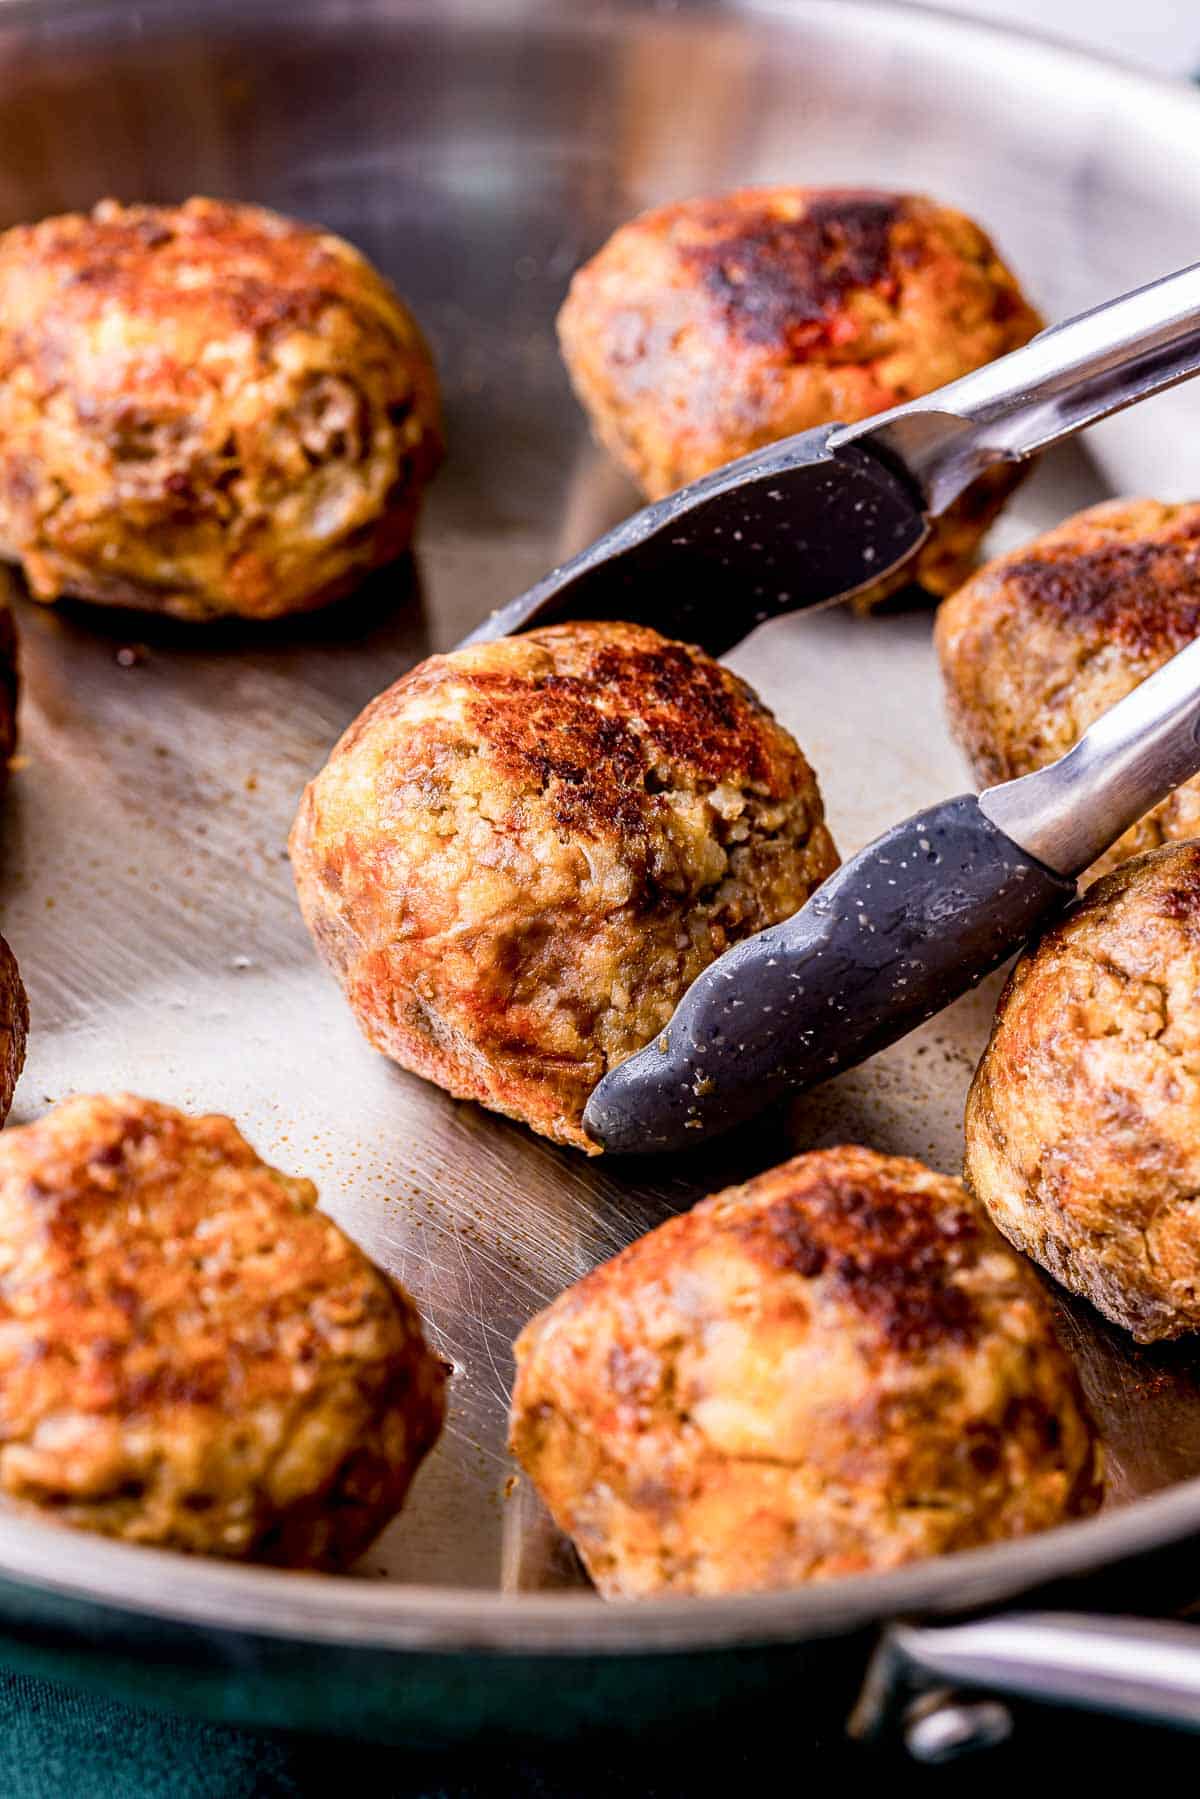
(704, 330)
(1045, 639)
(1083, 1121)
(835, 1368)
(521, 854)
(191, 1355)
(14, 1027)
(205, 409)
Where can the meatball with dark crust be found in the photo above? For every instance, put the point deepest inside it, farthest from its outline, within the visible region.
(1042, 641)
(520, 855)
(190, 1354)
(205, 409)
(14, 1027)
(838, 1367)
(1083, 1122)
(704, 330)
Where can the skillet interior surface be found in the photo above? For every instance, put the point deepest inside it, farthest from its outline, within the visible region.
(478, 154)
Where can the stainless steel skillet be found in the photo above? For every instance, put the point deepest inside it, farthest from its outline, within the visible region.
(479, 152)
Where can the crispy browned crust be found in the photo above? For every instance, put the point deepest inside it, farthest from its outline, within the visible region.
(1083, 1122)
(706, 329)
(521, 854)
(205, 409)
(191, 1355)
(1045, 639)
(834, 1368)
(14, 1027)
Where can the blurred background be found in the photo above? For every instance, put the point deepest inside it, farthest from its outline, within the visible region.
(1158, 34)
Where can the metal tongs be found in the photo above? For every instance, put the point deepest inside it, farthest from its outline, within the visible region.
(928, 909)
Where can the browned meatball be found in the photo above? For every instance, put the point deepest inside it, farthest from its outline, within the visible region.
(14, 1027)
(520, 855)
(192, 1356)
(1045, 639)
(836, 1367)
(704, 330)
(1083, 1122)
(205, 409)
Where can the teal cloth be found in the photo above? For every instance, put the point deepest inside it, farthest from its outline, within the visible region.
(56, 1743)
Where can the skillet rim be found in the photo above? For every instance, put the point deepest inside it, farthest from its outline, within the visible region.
(236, 1598)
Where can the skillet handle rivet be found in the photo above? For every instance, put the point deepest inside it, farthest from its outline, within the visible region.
(940, 1728)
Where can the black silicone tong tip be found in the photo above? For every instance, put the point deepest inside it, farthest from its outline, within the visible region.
(783, 530)
(910, 923)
